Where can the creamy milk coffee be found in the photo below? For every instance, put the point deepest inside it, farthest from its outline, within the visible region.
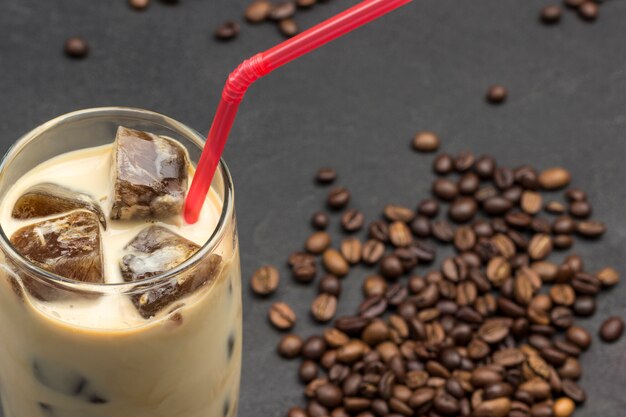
(136, 349)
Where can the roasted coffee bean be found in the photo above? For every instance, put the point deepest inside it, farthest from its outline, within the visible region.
(290, 346)
(373, 251)
(484, 193)
(396, 294)
(227, 31)
(580, 209)
(373, 307)
(305, 4)
(400, 234)
(76, 47)
(498, 271)
(374, 285)
(591, 229)
(555, 207)
(563, 294)
(395, 213)
(351, 249)
(554, 178)
(288, 27)
(442, 230)
(464, 161)
(335, 338)
(464, 238)
(445, 189)
(258, 11)
(564, 225)
(297, 412)
(428, 208)
(446, 405)
(586, 284)
(308, 371)
(463, 209)
(335, 263)
(320, 220)
(324, 307)
(562, 317)
(330, 284)
(485, 166)
(139, 4)
(612, 329)
(494, 330)
(425, 142)
(443, 164)
(567, 347)
(352, 220)
(496, 94)
(518, 219)
(540, 225)
(469, 183)
(584, 306)
(304, 272)
(497, 390)
(351, 325)
(379, 230)
(531, 202)
(314, 347)
(571, 369)
(391, 267)
(377, 331)
(589, 10)
(329, 395)
(503, 178)
(553, 356)
(265, 280)
(563, 407)
(421, 227)
(282, 316)
(513, 194)
(575, 194)
(318, 242)
(282, 10)
(338, 198)
(300, 258)
(551, 14)
(608, 277)
(540, 246)
(496, 206)
(574, 391)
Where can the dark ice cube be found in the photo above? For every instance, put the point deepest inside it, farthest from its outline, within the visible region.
(155, 250)
(68, 245)
(149, 174)
(46, 199)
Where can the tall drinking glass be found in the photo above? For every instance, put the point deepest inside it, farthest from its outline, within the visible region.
(61, 357)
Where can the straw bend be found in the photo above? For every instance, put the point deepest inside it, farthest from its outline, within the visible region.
(243, 76)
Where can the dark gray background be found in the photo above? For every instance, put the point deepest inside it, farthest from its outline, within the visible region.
(353, 105)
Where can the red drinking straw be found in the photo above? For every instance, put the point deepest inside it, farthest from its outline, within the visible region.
(262, 64)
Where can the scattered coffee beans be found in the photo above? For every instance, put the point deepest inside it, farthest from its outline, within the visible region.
(491, 332)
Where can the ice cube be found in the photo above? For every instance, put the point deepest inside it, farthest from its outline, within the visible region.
(155, 250)
(149, 175)
(46, 199)
(68, 245)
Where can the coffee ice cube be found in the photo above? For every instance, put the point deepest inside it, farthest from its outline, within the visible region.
(46, 199)
(156, 250)
(68, 245)
(149, 175)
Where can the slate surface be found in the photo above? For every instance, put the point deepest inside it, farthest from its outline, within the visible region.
(354, 105)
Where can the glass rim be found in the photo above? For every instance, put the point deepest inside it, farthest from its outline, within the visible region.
(226, 212)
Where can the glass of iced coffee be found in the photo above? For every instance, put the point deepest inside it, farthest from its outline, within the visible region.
(110, 304)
